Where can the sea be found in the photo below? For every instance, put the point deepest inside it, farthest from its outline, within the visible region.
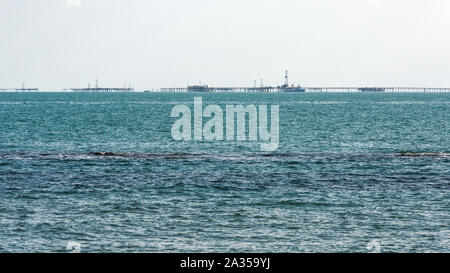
(101, 172)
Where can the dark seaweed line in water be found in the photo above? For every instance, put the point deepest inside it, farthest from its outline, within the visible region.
(401, 154)
(438, 154)
(97, 155)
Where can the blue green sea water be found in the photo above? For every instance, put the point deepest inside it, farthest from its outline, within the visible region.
(102, 170)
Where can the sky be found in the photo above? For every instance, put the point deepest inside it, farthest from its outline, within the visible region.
(56, 44)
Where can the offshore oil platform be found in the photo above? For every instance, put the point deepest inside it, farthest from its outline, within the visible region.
(291, 88)
(98, 89)
(262, 88)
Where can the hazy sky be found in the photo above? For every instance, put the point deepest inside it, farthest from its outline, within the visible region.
(53, 44)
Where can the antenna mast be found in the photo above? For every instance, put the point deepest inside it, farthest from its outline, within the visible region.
(286, 80)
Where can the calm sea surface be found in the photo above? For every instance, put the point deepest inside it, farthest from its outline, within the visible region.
(102, 170)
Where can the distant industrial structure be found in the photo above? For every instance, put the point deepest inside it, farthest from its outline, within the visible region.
(22, 89)
(290, 88)
(98, 89)
(286, 87)
(208, 88)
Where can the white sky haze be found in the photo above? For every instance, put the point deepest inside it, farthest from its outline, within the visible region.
(55, 44)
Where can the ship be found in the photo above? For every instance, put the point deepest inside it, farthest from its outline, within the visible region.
(290, 88)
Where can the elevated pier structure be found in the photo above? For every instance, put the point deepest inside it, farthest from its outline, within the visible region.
(417, 89)
(19, 89)
(309, 89)
(102, 90)
(27, 89)
(202, 88)
(98, 89)
(378, 89)
(286, 87)
(22, 89)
